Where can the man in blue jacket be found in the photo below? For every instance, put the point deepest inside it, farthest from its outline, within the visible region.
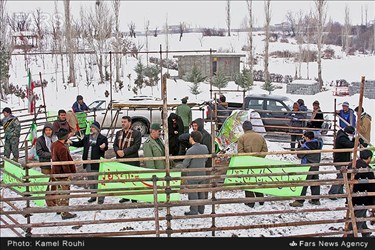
(348, 115)
(80, 105)
(310, 143)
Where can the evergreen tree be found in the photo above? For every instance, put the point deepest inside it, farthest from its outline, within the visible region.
(244, 79)
(268, 86)
(219, 81)
(196, 77)
(140, 70)
(152, 73)
(194, 89)
(4, 70)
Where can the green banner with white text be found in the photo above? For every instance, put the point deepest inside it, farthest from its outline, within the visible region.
(20, 173)
(120, 167)
(246, 161)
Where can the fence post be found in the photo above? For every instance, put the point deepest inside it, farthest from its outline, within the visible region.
(156, 207)
(26, 168)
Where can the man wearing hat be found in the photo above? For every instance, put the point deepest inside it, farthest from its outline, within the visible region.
(94, 146)
(80, 105)
(347, 116)
(61, 153)
(184, 111)
(154, 147)
(251, 142)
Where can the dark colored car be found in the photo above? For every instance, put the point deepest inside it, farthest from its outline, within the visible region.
(278, 107)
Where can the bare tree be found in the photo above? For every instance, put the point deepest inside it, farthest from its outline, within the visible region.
(300, 42)
(40, 31)
(321, 12)
(147, 30)
(366, 12)
(131, 26)
(19, 22)
(181, 29)
(227, 9)
(347, 29)
(156, 32)
(267, 10)
(308, 21)
(5, 50)
(98, 29)
(69, 43)
(166, 40)
(57, 41)
(292, 22)
(117, 44)
(250, 37)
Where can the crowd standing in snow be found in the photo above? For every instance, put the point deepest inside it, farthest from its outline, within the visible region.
(55, 140)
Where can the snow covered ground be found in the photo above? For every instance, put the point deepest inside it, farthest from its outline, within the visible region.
(62, 96)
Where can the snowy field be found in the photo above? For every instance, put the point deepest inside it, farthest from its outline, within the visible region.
(60, 95)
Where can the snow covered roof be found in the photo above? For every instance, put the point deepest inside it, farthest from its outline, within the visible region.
(309, 82)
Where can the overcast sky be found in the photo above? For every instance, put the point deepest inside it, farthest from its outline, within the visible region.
(202, 13)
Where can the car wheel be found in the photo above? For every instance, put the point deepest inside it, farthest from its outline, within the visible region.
(141, 126)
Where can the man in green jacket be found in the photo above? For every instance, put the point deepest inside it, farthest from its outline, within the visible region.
(184, 111)
(12, 132)
(154, 147)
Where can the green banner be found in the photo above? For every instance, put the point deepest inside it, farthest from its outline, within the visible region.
(117, 167)
(244, 161)
(20, 173)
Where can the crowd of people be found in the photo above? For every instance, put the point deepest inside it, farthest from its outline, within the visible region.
(53, 145)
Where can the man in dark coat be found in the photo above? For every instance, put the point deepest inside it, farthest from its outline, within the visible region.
(80, 105)
(94, 146)
(296, 124)
(43, 150)
(317, 114)
(344, 139)
(175, 129)
(310, 143)
(61, 153)
(363, 162)
(127, 143)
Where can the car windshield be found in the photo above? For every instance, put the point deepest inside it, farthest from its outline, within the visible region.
(288, 102)
(96, 104)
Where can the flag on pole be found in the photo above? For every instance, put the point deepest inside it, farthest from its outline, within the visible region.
(30, 94)
(33, 134)
(32, 139)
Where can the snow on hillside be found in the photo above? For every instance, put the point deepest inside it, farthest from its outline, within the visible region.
(62, 96)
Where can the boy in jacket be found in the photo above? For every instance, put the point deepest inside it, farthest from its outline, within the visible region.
(310, 143)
